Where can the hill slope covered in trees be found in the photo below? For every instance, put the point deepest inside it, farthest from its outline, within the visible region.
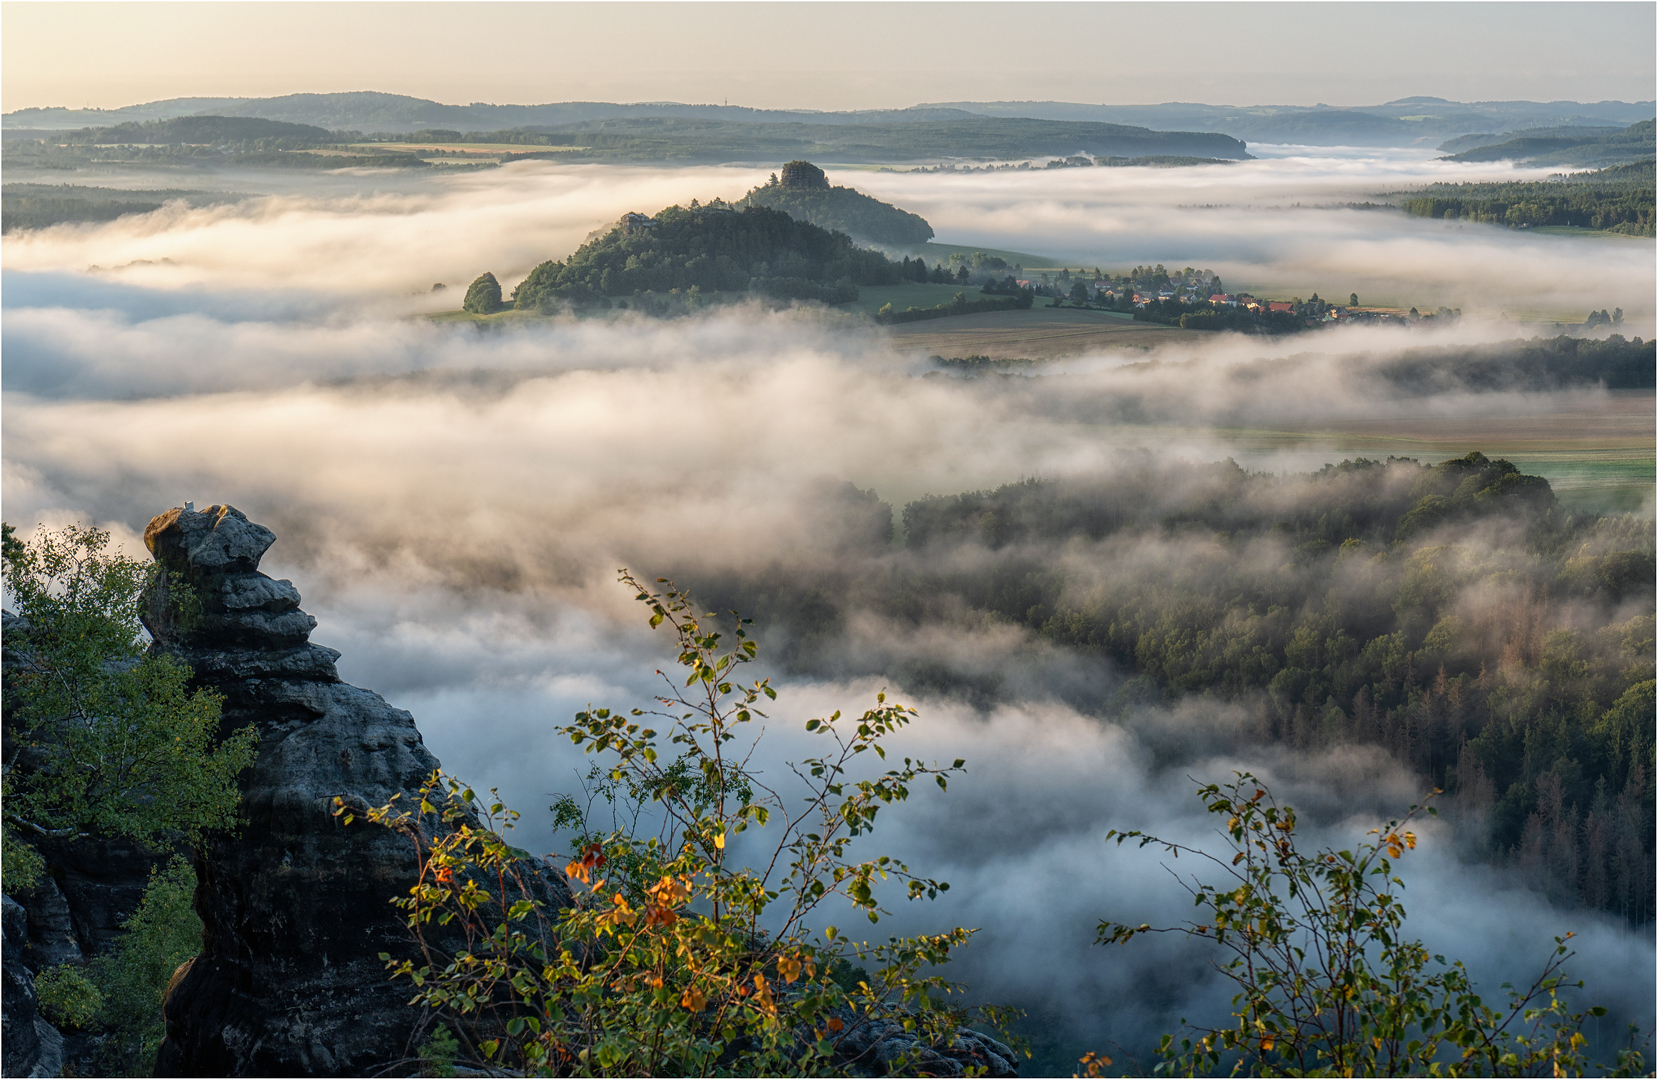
(1565, 146)
(712, 248)
(200, 130)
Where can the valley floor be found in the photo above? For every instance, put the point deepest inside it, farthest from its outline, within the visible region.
(1040, 332)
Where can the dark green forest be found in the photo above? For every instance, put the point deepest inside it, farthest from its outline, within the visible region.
(805, 194)
(1618, 199)
(1451, 614)
(1539, 364)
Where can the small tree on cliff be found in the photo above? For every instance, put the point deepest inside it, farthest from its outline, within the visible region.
(101, 737)
(680, 957)
(483, 296)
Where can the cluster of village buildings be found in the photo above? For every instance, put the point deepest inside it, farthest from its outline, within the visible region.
(1315, 312)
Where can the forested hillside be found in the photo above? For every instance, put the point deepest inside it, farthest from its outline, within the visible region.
(1451, 614)
(713, 248)
(201, 130)
(1564, 146)
(1619, 199)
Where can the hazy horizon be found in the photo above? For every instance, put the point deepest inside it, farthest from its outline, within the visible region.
(102, 55)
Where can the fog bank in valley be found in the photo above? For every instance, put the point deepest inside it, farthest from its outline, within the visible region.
(453, 506)
(1277, 223)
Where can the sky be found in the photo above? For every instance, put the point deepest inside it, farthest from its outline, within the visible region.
(828, 56)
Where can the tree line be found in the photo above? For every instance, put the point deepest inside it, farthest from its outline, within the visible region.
(1625, 207)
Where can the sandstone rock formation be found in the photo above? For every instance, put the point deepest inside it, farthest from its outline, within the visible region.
(297, 906)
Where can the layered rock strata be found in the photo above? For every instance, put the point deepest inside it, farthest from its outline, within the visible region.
(296, 906)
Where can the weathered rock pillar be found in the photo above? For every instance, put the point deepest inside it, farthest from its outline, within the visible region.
(297, 907)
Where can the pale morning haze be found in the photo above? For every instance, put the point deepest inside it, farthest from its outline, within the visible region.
(840, 539)
(827, 56)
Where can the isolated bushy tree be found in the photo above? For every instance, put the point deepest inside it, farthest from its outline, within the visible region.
(1328, 983)
(483, 296)
(680, 957)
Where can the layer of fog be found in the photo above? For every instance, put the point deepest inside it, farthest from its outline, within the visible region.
(1020, 837)
(458, 539)
(68, 336)
(457, 530)
(1278, 224)
(384, 240)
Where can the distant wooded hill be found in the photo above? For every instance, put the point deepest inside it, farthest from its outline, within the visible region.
(978, 138)
(1585, 147)
(370, 111)
(805, 194)
(1411, 121)
(1405, 122)
(203, 130)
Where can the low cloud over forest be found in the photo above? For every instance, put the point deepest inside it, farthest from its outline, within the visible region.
(1086, 588)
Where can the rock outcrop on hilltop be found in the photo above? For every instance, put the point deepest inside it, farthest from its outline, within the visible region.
(805, 194)
(296, 906)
